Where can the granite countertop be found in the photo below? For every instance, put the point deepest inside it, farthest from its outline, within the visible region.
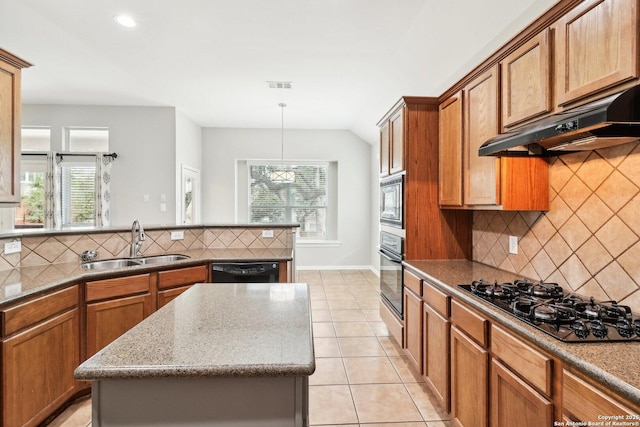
(226, 330)
(615, 365)
(22, 282)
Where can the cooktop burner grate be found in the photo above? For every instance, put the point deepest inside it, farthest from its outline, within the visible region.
(565, 316)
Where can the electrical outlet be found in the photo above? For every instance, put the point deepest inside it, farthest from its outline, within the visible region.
(267, 233)
(513, 245)
(177, 235)
(12, 247)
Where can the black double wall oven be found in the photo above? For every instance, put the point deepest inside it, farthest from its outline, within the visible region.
(392, 243)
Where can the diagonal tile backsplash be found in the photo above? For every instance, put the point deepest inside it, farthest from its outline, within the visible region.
(589, 240)
(62, 248)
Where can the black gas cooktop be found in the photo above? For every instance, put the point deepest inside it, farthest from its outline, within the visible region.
(565, 316)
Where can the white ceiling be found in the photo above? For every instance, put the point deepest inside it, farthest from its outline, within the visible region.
(349, 60)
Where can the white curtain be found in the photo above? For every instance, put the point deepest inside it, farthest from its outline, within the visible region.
(53, 192)
(103, 190)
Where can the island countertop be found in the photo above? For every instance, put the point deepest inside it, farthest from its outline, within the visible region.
(215, 330)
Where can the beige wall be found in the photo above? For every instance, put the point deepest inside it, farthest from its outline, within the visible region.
(589, 240)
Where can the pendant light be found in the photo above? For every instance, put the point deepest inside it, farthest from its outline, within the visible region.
(282, 175)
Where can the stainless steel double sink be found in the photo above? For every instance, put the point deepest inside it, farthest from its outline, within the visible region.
(130, 262)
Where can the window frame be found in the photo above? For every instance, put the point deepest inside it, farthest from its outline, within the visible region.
(329, 215)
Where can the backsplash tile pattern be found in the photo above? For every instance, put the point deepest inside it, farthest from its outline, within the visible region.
(45, 250)
(589, 240)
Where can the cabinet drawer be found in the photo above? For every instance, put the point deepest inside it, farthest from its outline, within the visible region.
(121, 286)
(438, 300)
(182, 276)
(34, 311)
(529, 363)
(395, 325)
(413, 282)
(470, 322)
(584, 402)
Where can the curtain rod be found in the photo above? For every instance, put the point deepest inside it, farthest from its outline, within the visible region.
(60, 155)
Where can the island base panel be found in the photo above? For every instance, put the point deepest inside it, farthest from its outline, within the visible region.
(226, 401)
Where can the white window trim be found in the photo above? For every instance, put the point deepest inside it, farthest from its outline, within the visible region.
(331, 170)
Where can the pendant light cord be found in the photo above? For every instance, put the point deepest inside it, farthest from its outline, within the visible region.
(282, 105)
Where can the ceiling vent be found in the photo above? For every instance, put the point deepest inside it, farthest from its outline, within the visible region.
(279, 85)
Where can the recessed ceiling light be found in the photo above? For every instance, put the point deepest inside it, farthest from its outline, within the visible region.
(125, 21)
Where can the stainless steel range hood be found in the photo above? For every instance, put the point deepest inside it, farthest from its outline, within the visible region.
(604, 123)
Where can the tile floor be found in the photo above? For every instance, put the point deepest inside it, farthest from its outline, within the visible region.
(362, 378)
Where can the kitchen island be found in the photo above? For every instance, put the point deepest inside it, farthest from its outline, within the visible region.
(220, 354)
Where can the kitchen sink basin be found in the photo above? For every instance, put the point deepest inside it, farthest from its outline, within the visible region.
(130, 262)
(161, 258)
(110, 263)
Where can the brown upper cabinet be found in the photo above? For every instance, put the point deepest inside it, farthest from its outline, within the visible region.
(525, 81)
(596, 47)
(10, 71)
(481, 174)
(450, 151)
(385, 146)
(468, 181)
(392, 144)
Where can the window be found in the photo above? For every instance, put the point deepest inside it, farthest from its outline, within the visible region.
(33, 168)
(35, 139)
(302, 201)
(30, 213)
(71, 179)
(87, 140)
(78, 189)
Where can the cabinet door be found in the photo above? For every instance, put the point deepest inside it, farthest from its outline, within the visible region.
(168, 295)
(436, 354)
(469, 381)
(596, 48)
(481, 183)
(182, 276)
(515, 403)
(396, 161)
(525, 78)
(413, 327)
(583, 402)
(450, 152)
(38, 367)
(107, 320)
(385, 146)
(9, 133)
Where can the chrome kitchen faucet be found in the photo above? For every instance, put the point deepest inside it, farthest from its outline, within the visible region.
(136, 243)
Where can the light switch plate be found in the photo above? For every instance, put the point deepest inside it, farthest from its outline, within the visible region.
(513, 245)
(163, 207)
(267, 233)
(177, 235)
(12, 247)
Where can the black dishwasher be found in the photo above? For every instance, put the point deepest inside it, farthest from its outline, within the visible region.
(245, 272)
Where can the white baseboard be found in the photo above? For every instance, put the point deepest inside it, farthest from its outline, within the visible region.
(338, 267)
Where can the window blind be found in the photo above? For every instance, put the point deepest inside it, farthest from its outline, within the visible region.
(78, 187)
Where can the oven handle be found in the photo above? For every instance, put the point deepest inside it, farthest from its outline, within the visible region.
(391, 257)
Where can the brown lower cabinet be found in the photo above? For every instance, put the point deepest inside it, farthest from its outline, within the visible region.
(485, 374)
(172, 283)
(436, 333)
(107, 320)
(413, 327)
(584, 402)
(514, 402)
(40, 351)
(113, 307)
(469, 381)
